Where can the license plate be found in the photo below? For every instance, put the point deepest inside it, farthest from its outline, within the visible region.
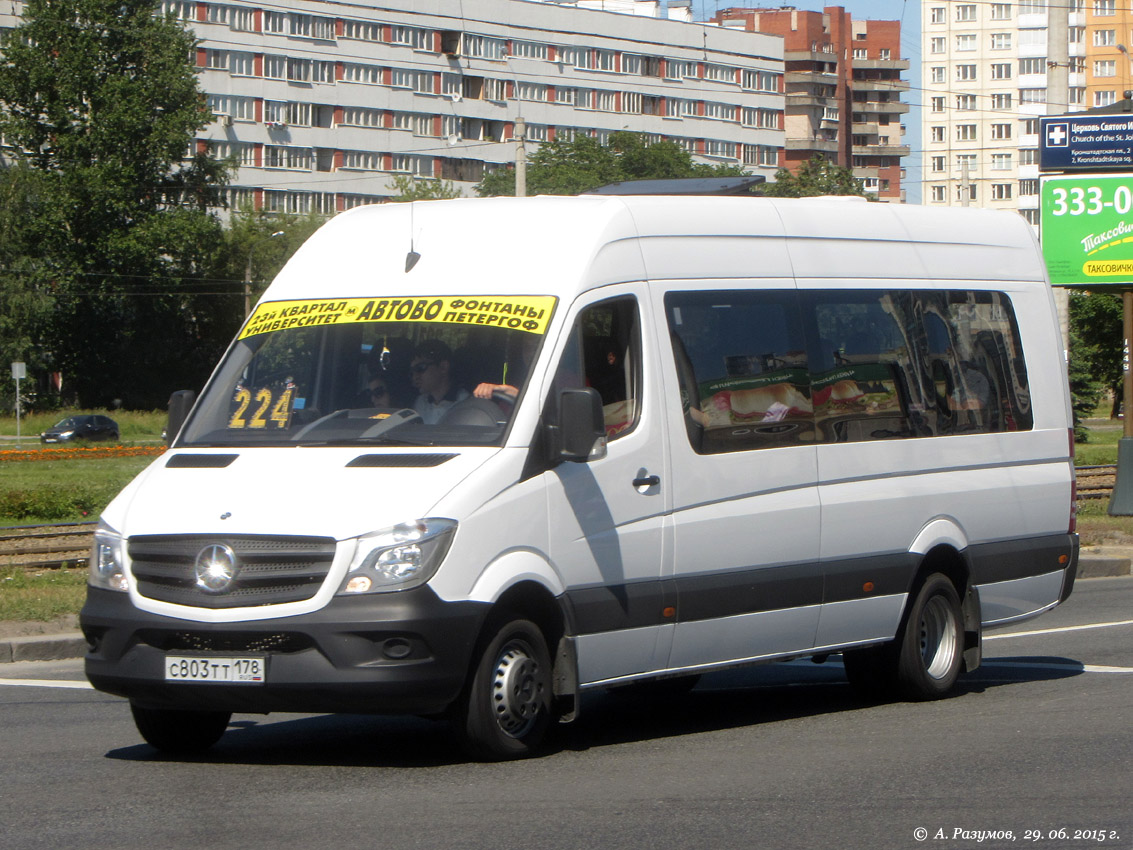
(226, 669)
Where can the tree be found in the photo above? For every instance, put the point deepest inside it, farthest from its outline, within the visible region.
(99, 99)
(817, 176)
(583, 163)
(257, 244)
(1096, 342)
(410, 188)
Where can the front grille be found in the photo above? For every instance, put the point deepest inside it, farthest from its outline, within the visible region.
(271, 570)
(226, 641)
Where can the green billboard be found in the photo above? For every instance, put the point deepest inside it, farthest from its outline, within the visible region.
(1087, 230)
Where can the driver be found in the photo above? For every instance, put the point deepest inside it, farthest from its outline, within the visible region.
(431, 373)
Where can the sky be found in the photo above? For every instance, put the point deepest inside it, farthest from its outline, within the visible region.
(908, 12)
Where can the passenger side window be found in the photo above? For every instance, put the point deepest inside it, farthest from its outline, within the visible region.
(975, 357)
(604, 352)
(865, 375)
(742, 365)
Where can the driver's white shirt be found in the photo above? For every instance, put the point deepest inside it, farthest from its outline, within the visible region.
(431, 411)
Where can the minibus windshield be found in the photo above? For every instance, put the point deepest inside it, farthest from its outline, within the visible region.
(403, 372)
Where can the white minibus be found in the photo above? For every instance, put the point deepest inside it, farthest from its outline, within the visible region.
(475, 458)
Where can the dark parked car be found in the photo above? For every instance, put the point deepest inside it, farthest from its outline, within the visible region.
(81, 428)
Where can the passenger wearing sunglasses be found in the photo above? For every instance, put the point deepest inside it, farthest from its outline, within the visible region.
(431, 373)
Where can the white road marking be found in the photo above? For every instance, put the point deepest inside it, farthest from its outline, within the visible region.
(1061, 629)
(47, 683)
(1055, 665)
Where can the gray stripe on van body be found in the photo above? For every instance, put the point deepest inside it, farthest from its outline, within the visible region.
(710, 596)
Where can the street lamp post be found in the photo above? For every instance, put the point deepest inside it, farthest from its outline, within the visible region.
(248, 275)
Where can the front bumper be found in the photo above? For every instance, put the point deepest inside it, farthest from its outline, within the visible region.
(396, 653)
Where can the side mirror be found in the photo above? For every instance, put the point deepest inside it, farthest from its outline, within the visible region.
(180, 403)
(580, 434)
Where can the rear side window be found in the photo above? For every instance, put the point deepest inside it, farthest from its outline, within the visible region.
(780, 368)
(742, 364)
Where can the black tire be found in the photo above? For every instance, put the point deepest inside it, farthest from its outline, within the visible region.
(506, 707)
(180, 732)
(925, 660)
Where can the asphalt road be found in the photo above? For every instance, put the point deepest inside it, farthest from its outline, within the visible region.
(773, 757)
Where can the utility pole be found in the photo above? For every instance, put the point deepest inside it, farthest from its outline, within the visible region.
(520, 158)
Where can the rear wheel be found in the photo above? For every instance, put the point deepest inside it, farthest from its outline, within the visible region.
(180, 732)
(925, 660)
(507, 705)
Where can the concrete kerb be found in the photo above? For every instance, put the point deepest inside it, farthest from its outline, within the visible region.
(66, 646)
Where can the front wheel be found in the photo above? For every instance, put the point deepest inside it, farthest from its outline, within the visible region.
(506, 708)
(180, 732)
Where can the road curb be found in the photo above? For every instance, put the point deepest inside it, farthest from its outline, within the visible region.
(42, 648)
(1092, 565)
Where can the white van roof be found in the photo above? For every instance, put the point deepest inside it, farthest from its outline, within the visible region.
(563, 245)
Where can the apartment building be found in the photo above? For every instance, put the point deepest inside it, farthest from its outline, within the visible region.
(990, 70)
(323, 103)
(843, 90)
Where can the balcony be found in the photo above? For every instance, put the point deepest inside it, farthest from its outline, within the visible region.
(880, 150)
(880, 107)
(823, 145)
(866, 84)
(882, 64)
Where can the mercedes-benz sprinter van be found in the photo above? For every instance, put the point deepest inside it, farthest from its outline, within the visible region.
(476, 457)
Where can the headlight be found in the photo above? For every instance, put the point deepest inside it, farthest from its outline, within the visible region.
(65, 434)
(106, 568)
(398, 558)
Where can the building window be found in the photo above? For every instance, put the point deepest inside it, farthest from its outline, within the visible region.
(483, 47)
(1031, 216)
(1001, 131)
(1105, 98)
(966, 160)
(1001, 11)
(1001, 101)
(966, 42)
(965, 102)
(937, 15)
(936, 134)
(1031, 127)
(362, 30)
(1105, 8)
(1105, 38)
(1032, 95)
(361, 116)
(719, 111)
(1032, 7)
(938, 104)
(1032, 66)
(939, 194)
(1029, 156)
(1001, 71)
(965, 12)
(965, 132)
(530, 91)
(1001, 41)
(720, 150)
(1105, 68)
(720, 73)
(631, 64)
(1032, 38)
(529, 50)
(936, 44)
(1029, 187)
(971, 193)
(938, 164)
(353, 72)
(607, 60)
(1001, 162)
(860, 53)
(1001, 191)
(965, 73)
(938, 73)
